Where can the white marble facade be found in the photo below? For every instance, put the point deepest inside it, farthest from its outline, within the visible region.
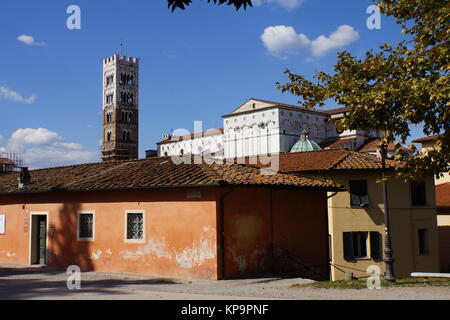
(260, 127)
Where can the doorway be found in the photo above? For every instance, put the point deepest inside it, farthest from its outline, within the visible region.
(38, 235)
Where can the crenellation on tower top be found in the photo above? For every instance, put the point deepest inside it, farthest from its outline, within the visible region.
(120, 107)
(121, 58)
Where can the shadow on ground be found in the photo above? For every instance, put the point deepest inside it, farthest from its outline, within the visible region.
(44, 282)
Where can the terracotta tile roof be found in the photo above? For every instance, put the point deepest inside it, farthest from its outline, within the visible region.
(324, 160)
(443, 195)
(426, 139)
(193, 136)
(374, 145)
(149, 173)
(337, 143)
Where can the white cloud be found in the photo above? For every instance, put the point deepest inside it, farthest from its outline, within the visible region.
(287, 4)
(41, 158)
(9, 94)
(343, 36)
(29, 40)
(281, 40)
(39, 136)
(44, 148)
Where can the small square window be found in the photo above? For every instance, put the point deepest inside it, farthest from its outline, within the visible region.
(86, 226)
(418, 193)
(358, 193)
(135, 226)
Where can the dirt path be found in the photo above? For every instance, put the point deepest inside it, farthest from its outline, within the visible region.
(24, 282)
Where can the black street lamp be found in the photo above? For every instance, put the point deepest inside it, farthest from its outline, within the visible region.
(388, 253)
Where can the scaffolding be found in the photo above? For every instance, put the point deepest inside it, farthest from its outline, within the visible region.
(10, 161)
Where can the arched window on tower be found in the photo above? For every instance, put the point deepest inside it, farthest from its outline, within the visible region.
(130, 116)
(126, 136)
(130, 98)
(108, 136)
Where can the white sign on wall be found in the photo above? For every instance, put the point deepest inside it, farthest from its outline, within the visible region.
(2, 223)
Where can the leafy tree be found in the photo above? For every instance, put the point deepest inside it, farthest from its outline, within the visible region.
(182, 4)
(396, 86)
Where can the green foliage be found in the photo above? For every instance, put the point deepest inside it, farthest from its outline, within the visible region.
(362, 283)
(182, 4)
(396, 86)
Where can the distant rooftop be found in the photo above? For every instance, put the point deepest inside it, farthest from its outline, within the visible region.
(443, 195)
(426, 139)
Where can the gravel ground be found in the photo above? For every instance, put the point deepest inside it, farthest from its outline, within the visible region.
(25, 282)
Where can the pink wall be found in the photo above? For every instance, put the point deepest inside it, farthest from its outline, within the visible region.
(180, 233)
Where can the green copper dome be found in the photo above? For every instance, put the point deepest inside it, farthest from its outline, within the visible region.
(304, 144)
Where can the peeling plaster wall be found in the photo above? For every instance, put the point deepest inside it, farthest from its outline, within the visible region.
(258, 219)
(180, 233)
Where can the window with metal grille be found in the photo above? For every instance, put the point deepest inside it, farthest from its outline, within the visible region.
(358, 193)
(85, 226)
(135, 226)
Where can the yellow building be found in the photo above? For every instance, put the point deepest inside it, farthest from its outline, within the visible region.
(427, 143)
(443, 207)
(356, 216)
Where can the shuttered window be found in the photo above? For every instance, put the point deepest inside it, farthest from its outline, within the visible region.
(418, 194)
(355, 245)
(358, 193)
(376, 246)
(423, 241)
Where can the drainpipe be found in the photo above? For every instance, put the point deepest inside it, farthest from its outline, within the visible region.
(222, 233)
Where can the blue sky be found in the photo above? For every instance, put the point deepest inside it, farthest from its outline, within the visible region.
(196, 64)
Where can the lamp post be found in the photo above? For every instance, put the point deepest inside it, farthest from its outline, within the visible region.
(388, 253)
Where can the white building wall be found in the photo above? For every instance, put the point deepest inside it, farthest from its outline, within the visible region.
(251, 134)
(293, 122)
(211, 143)
(258, 129)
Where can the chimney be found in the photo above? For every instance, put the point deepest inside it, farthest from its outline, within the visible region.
(25, 178)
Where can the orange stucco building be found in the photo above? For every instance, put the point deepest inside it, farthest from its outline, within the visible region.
(154, 217)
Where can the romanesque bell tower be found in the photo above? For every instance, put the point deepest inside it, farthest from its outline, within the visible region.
(120, 108)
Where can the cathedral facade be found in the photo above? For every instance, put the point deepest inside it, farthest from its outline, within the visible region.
(260, 127)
